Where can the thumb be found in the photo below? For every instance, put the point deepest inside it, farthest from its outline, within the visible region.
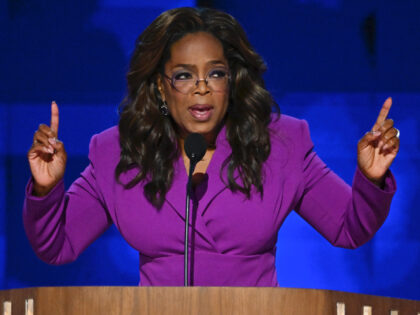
(58, 147)
(368, 138)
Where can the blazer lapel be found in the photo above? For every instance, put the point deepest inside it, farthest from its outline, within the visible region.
(176, 198)
(215, 185)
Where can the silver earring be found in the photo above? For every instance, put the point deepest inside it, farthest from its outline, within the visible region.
(164, 109)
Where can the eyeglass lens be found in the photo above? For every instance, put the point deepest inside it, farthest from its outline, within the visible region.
(186, 81)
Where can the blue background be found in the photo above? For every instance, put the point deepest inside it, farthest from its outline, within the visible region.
(331, 62)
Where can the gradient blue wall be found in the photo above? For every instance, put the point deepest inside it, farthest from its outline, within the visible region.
(321, 67)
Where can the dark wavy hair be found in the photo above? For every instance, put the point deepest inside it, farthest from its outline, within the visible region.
(148, 139)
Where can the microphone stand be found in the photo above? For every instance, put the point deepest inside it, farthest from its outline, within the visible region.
(187, 220)
(195, 147)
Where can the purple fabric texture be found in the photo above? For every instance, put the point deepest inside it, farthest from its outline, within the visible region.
(233, 239)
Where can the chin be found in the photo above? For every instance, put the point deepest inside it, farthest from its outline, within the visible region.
(205, 129)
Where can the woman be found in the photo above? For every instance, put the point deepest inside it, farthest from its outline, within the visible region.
(193, 70)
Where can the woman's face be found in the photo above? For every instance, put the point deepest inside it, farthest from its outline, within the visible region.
(201, 108)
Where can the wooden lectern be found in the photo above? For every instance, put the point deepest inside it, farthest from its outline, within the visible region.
(197, 300)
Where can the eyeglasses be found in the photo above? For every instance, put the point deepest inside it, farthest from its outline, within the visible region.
(185, 81)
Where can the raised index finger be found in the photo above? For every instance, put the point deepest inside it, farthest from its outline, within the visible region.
(54, 117)
(383, 114)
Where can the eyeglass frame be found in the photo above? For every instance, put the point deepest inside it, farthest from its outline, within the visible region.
(171, 79)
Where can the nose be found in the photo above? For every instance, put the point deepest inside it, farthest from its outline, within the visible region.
(202, 88)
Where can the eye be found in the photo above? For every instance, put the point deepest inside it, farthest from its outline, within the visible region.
(184, 75)
(218, 74)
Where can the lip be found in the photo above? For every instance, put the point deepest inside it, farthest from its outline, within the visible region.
(201, 112)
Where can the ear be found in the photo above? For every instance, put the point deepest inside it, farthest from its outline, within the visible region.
(160, 87)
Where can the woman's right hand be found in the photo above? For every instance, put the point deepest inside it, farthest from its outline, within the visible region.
(47, 157)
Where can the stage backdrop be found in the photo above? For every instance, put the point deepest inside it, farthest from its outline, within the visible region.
(331, 62)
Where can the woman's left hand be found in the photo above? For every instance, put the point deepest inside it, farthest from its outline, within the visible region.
(378, 148)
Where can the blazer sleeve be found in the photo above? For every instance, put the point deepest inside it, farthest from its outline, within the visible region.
(347, 216)
(62, 224)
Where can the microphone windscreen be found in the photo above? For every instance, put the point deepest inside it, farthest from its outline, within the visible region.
(195, 147)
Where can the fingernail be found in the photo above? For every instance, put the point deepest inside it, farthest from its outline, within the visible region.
(376, 133)
(385, 147)
(53, 141)
(50, 149)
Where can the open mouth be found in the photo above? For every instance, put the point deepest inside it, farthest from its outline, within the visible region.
(201, 112)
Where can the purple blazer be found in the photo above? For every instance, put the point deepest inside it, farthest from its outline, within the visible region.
(233, 239)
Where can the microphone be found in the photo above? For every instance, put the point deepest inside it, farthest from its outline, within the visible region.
(195, 147)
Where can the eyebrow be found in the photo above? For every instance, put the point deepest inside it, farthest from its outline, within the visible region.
(186, 65)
